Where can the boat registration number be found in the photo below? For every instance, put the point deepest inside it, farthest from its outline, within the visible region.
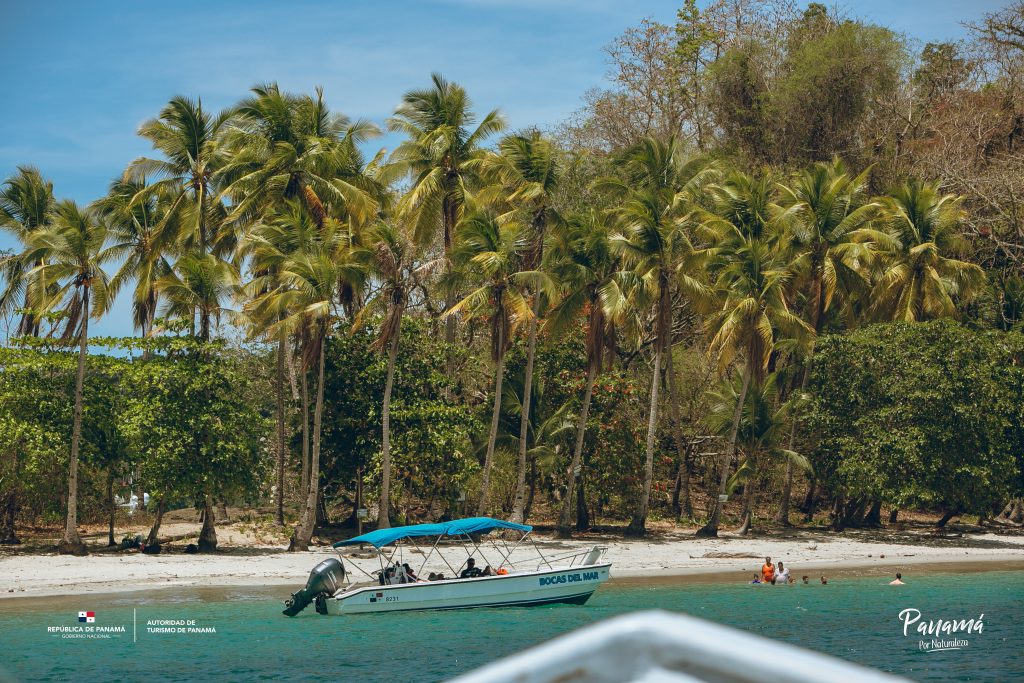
(568, 578)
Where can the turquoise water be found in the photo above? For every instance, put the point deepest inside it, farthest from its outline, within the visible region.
(855, 619)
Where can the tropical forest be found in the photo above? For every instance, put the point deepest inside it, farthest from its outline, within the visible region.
(771, 273)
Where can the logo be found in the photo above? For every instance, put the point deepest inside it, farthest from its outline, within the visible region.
(375, 598)
(86, 628)
(942, 633)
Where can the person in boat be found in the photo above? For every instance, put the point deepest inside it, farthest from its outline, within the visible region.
(898, 581)
(472, 571)
(782, 575)
(767, 571)
(410, 575)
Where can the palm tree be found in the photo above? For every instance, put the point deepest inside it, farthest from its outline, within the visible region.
(761, 430)
(394, 265)
(198, 283)
(285, 147)
(26, 206)
(827, 214)
(752, 275)
(659, 185)
(919, 279)
(490, 252)
(72, 252)
(550, 425)
(267, 246)
(585, 265)
(304, 301)
(188, 137)
(442, 156)
(134, 219)
(527, 172)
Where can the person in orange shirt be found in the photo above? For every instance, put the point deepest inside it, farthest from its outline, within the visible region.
(767, 571)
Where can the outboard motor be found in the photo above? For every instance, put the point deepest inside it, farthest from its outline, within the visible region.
(324, 581)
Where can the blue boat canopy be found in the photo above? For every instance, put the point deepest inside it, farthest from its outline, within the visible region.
(458, 527)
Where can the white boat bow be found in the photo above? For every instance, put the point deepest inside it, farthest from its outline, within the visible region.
(661, 647)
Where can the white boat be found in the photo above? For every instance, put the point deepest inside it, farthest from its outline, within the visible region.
(659, 647)
(566, 579)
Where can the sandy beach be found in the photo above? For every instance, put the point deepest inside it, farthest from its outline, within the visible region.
(662, 555)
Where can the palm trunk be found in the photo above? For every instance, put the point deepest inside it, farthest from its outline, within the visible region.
(304, 487)
(684, 467)
(747, 516)
(499, 372)
(582, 515)
(787, 488)
(518, 508)
(71, 543)
(565, 516)
(711, 528)
(9, 507)
(448, 219)
(384, 505)
(157, 521)
(208, 533)
(279, 512)
(304, 533)
(637, 525)
(111, 509)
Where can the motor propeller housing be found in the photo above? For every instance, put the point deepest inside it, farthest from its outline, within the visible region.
(324, 580)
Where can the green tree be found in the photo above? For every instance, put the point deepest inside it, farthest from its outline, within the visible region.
(752, 275)
(394, 264)
(919, 278)
(760, 435)
(26, 206)
(827, 214)
(198, 283)
(528, 172)
(933, 420)
(285, 147)
(310, 280)
(442, 156)
(72, 253)
(190, 418)
(144, 239)
(584, 265)
(658, 185)
(490, 252)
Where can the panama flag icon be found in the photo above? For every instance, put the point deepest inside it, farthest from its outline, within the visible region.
(87, 617)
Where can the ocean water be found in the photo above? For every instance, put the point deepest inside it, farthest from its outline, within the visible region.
(855, 619)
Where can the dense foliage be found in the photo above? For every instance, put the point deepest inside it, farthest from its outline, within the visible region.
(928, 415)
(626, 317)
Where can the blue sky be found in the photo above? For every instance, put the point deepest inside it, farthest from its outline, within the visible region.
(80, 77)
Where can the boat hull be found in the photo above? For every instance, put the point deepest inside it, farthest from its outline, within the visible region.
(567, 585)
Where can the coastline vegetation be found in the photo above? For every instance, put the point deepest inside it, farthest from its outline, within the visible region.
(776, 259)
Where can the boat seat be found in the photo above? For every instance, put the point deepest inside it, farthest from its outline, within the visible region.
(594, 555)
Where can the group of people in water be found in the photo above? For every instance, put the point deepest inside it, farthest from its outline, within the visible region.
(779, 575)
(399, 573)
(776, 576)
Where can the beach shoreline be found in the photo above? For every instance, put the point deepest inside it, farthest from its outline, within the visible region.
(658, 558)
